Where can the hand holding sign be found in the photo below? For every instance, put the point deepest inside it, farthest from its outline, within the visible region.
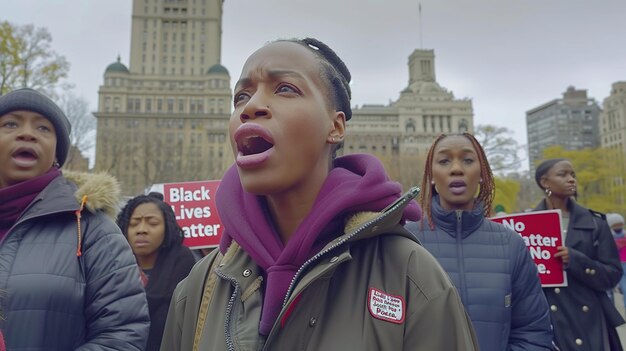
(563, 254)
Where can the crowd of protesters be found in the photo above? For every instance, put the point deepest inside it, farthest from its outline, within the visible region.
(319, 252)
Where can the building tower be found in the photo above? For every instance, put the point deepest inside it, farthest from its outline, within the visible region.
(165, 117)
(613, 138)
(401, 133)
(571, 122)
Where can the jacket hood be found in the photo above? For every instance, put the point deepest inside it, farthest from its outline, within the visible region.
(102, 191)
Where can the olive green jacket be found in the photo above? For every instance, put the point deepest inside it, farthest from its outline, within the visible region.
(373, 288)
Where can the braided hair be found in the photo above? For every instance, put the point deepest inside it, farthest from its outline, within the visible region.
(487, 187)
(173, 235)
(334, 72)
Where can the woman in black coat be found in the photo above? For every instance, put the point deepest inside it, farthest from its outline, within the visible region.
(150, 227)
(583, 317)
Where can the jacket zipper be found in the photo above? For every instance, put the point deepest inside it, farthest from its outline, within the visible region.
(459, 250)
(231, 303)
(228, 336)
(403, 200)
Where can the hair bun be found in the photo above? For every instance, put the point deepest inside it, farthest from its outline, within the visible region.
(156, 195)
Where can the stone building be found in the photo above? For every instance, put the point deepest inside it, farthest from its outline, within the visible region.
(571, 122)
(165, 117)
(401, 132)
(613, 138)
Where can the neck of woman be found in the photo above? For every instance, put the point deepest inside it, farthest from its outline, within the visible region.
(147, 261)
(558, 203)
(287, 213)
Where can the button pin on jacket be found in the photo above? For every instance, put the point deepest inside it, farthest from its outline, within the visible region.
(246, 273)
(507, 300)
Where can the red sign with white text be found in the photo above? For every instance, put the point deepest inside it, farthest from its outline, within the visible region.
(542, 234)
(194, 206)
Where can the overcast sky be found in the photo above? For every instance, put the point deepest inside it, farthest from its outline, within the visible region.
(508, 56)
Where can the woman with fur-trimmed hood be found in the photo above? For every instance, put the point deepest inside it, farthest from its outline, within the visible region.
(68, 276)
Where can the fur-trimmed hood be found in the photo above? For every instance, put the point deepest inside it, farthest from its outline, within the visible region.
(102, 191)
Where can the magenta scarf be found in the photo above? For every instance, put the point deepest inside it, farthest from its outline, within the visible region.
(15, 198)
(357, 183)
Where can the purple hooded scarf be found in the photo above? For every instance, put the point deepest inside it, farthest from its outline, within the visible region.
(356, 183)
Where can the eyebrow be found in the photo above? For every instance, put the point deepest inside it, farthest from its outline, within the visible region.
(19, 114)
(273, 74)
(148, 216)
(465, 149)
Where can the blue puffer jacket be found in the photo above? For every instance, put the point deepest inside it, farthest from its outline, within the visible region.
(496, 278)
(57, 300)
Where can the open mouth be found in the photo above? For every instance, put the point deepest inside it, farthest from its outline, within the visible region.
(252, 145)
(255, 145)
(25, 157)
(24, 153)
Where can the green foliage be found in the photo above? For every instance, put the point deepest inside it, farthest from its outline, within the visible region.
(507, 191)
(27, 59)
(599, 175)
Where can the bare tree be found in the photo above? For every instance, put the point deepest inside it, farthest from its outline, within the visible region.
(28, 61)
(501, 148)
(83, 123)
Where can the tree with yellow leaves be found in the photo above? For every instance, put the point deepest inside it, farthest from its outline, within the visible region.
(599, 175)
(27, 59)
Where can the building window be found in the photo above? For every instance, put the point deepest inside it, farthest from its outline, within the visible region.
(148, 105)
(107, 104)
(425, 66)
(463, 126)
(200, 106)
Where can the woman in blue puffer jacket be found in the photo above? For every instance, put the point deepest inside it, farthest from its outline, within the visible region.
(489, 264)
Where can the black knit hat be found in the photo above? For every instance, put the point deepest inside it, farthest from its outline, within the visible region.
(30, 100)
(544, 167)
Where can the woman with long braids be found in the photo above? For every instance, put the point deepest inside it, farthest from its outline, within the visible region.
(582, 314)
(489, 264)
(314, 255)
(150, 227)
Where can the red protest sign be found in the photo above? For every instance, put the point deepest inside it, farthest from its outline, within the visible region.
(542, 234)
(194, 206)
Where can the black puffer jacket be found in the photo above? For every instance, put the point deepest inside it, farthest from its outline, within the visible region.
(55, 299)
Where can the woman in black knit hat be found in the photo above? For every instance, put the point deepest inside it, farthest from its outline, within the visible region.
(582, 315)
(68, 279)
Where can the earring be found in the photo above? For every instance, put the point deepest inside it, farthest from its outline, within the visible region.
(432, 182)
(56, 164)
(480, 181)
(548, 192)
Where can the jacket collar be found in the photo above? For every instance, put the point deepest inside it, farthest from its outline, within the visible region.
(579, 217)
(65, 194)
(362, 225)
(449, 221)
